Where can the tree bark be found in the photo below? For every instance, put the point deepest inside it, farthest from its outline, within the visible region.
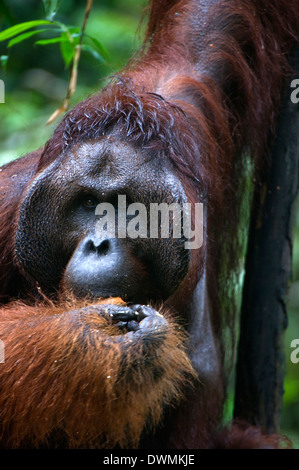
(260, 365)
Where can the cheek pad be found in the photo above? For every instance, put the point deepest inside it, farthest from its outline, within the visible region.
(39, 235)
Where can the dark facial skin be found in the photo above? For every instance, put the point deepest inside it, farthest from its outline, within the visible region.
(57, 238)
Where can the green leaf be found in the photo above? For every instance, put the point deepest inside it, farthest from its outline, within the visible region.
(51, 7)
(93, 52)
(24, 36)
(98, 46)
(76, 38)
(67, 50)
(44, 42)
(74, 30)
(19, 28)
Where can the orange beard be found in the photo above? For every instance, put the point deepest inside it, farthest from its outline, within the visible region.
(71, 376)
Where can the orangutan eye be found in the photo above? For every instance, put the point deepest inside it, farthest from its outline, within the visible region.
(89, 202)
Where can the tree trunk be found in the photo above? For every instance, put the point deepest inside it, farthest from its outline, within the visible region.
(260, 366)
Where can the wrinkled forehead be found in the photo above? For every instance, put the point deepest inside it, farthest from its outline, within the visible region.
(98, 156)
(109, 164)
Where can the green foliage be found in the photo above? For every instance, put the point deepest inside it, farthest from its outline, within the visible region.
(23, 36)
(68, 37)
(19, 28)
(36, 67)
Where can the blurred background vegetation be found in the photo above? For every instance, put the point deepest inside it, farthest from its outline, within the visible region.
(36, 81)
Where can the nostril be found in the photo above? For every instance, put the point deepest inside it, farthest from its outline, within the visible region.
(90, 247)
(103, 247)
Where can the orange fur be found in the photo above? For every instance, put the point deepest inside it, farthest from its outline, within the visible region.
(76, 377)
